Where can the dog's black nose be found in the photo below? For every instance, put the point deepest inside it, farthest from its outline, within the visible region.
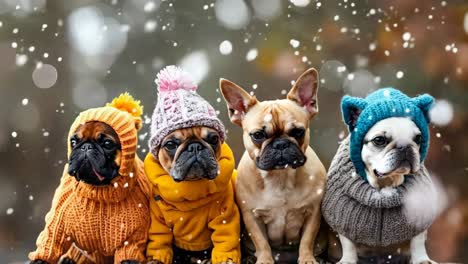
(86, 147)
(194, 147)
(281, 144)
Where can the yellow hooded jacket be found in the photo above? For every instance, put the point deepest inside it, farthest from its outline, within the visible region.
(101, 224)
(194, 215)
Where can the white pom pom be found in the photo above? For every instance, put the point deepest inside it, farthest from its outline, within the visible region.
(174, 78)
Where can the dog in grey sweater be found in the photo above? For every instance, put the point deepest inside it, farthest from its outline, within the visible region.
(374, 174)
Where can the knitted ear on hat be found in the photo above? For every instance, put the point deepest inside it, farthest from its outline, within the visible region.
(351, 108)
(125, 102)
(424, 102)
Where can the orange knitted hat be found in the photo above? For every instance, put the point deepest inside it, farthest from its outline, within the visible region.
(123, 114)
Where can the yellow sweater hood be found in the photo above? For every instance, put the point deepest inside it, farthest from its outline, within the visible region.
(188, 195)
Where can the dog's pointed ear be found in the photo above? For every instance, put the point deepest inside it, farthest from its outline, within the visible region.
(424, 102)
(304, 91)
(351, 107)
(237, 99)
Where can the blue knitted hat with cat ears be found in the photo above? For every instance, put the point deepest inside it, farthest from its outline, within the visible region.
(361, 114)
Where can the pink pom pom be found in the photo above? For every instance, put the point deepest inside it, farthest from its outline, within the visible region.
(174, 78)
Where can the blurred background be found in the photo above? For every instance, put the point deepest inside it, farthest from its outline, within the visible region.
(60, 57)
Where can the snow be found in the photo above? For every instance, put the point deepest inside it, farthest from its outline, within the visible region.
(423, 202)
(336, 18)
(294, 43)
(14, 45)
(150, 6)
(197, 64)
(25, 101)
(372, 46)
(92, 33)
(14, 134)
(150, 26)
(44, 76)
(225, 47)
(10, 211)
(465, 22)
(233, 14)
(251, 54)
(400, 74)
(267, 10)
(451, 48)
(406, 36)
(21, 59)
(441, 113)
(300, 3)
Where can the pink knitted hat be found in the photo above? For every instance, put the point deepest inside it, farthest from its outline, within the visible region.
(179, 106)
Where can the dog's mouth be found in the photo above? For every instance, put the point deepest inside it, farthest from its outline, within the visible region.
(99, 176)
(86, 172)
(195, 168)
(405, 167)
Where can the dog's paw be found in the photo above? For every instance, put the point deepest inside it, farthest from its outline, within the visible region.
(38, 261)
(307, 261)
(127, 261)
(264, 259)
(307, 258)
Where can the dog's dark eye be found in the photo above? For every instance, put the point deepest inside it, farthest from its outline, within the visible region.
(297, 132)
(258, 136)
(73, 142)
(108, 143)
(170, 145)
(379, 141)
(213, 140)
(417, 139)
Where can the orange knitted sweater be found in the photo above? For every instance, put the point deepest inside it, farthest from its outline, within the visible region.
(109, 223)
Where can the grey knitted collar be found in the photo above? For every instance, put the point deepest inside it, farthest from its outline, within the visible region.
(353, 208)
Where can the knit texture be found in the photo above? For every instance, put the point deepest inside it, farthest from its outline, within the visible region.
(194, 215)
(365, 215)
(111, 222)
(382, 104)
(179, 106)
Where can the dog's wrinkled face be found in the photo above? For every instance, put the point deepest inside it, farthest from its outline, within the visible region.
(391, 151)
(191, 154)
(95, 156)
(276, 133)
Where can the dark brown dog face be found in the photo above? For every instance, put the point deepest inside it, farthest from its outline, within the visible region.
(95, 156)
(191, 154)
(276, 133)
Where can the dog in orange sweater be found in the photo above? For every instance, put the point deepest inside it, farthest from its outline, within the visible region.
(100, 211)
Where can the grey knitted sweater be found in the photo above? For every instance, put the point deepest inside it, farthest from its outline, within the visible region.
(365, 215)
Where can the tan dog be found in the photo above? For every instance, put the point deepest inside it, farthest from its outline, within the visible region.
(280, 178)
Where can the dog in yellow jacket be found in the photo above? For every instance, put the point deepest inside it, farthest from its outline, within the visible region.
(193, 214)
